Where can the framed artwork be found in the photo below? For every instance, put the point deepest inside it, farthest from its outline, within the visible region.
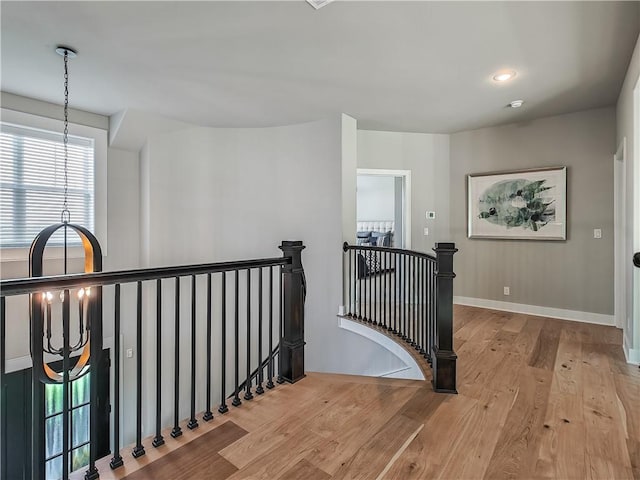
(522, 204)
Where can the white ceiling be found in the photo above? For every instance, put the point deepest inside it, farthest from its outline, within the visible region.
(405, 66)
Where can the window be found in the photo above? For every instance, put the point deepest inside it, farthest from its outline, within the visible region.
(43, 181)
(32, 181)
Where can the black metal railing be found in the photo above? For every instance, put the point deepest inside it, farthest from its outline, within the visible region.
(410, 294)
(261, 324)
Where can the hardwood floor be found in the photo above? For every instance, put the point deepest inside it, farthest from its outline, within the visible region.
(538, 399)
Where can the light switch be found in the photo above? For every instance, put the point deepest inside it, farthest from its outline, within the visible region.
(597, 233)
(431, 215)
(426, 231)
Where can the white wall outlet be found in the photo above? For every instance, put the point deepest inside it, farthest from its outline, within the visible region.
(431, 215)
(426, 231)
(507, 291)
(129, 353)
(597, 233)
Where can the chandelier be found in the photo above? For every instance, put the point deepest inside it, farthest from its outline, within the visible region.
(80, 345)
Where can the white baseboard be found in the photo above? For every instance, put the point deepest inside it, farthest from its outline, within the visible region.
(631, 354)
(573, 315)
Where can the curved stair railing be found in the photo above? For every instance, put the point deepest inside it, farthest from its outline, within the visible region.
(408, 294)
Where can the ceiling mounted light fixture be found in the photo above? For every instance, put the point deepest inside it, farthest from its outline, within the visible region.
(317, 4)
(504, 76)
(516, 104)
(81, 355)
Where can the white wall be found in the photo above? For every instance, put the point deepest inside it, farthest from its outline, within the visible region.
(122, 248)
(629, 128)
(376, 197)
(224, 194)
(427, 157)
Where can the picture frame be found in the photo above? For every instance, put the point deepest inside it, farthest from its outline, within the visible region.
(518, 204)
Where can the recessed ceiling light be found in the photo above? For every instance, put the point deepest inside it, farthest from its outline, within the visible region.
(516, 103)
(504, 75)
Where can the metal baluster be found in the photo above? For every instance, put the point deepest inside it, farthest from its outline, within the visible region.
(193, 422)
(223, 335)
(414, 333)
(3, 389)
(370, 284)
(356, 291)
(65, 384)
(400, 287)
(248, 395)
(138, 450)
(208, 415)
(360, 275)
(389, 292)
(270, 366)
(116, 461)
(259, 389)
(236, 399)
(376, 284)
(427, 302)
(383, 305)
(425, 308)
(349, 313)
(177, 431)
(395, 293)
(405, 316)
(399, 305)
(421, 305)
(158, 440)
(280, 322)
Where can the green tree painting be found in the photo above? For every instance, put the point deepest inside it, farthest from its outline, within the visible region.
(518, 203)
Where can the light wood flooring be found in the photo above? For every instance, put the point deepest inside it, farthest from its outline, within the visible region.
(538, 399)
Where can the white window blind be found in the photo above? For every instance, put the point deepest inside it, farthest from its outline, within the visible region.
(32, 184)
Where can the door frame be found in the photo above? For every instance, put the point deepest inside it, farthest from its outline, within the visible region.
(634, 183)
(621, 268)
(406, 196)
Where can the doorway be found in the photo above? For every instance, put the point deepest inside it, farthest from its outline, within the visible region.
(383, 207)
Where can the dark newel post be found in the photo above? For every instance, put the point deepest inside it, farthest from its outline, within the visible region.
(294, 292)
(444, 358)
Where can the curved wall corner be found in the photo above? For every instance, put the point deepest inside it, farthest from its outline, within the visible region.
(411, 369)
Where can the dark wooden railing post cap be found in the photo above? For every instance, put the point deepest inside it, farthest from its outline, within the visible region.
(293, 249)
(445, 247)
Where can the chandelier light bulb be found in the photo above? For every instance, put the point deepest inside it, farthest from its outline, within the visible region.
(81, 293)
(48, 296)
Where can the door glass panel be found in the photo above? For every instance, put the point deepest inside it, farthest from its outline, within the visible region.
(54, 468)
(80, 431)
(80, 390)
(80, 457)
(53, 441)
(52, 399)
